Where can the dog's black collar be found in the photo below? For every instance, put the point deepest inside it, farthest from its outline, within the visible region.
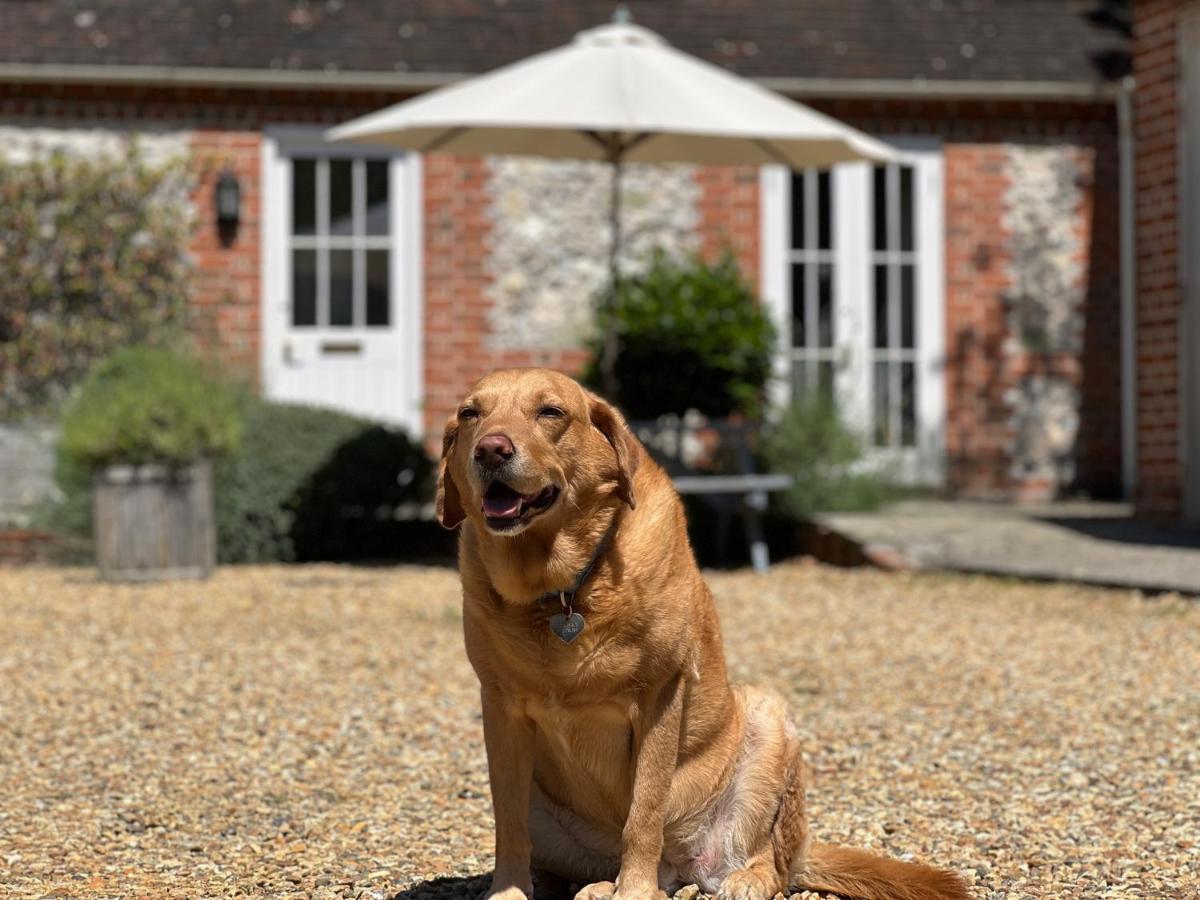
(567, 624)
(567, 595)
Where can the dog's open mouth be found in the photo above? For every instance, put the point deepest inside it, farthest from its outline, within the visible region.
(505, 508)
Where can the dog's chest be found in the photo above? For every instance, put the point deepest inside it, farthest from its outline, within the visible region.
(584, 750)
(520, 650)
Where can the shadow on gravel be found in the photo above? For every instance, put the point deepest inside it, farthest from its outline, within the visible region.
(473, 887)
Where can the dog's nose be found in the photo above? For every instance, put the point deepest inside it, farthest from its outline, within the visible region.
(493, 450)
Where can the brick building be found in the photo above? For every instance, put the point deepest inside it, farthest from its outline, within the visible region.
(964, 306)
(1166, 61)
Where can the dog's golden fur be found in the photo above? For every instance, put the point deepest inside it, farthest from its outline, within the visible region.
(626, 755)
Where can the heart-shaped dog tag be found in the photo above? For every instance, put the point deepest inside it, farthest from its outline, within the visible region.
(566, 628)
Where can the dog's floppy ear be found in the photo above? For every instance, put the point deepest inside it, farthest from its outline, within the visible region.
(612, 425)
(449, 503)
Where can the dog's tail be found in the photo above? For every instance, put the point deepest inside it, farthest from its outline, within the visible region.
(862, 875)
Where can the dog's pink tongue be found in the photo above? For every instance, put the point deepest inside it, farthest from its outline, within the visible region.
(507, 506)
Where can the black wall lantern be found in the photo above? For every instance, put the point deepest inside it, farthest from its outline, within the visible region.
(227, 198)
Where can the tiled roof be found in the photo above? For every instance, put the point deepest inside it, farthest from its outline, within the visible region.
(1079, 41)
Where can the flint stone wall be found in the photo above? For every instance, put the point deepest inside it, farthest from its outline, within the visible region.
(550, 234)
(26, 470)
(1044, 309)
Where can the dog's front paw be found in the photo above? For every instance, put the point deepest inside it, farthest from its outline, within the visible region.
(745, 884)
(509, 893)
(639, 893)
(601, 890)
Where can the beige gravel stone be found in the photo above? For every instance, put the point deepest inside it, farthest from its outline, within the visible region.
(314, 731)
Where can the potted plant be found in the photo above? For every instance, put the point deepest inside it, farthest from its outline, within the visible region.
(147, 423)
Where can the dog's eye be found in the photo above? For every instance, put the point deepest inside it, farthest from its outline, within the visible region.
(550, 412)
(468, 413)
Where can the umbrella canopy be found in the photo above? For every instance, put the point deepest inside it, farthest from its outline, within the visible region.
(616, 92)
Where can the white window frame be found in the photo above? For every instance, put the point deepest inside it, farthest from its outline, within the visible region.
(406, 262)
(853, 256)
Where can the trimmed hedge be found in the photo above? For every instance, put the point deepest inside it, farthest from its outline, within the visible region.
(303, 484)
(312, 484)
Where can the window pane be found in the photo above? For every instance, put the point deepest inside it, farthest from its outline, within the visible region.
(825, 305)
(908, 405)
(304, 287)
(824, 211)
(304, 196)
(798, 210)
(879, 210)
(378, 306)
(800, 380)
(341, 197)
(907, 308)
(907, 211)
(341, 287)
(377, 197)
(881, 390)
(798, 317)
(881, 306)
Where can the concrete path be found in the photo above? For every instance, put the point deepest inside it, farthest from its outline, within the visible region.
(1093, 543)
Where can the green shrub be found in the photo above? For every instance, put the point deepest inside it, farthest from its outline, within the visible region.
(93, 256)
(811, 443)
(693, 336)
(69, 515)
(303, 484)
(144, 405)
(310, 484)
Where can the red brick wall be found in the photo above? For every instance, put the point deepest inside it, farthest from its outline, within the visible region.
(729, 215)
(977, 427)
(226, 289)
(1159, 301)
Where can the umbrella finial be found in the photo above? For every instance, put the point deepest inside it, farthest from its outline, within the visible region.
(621, 15)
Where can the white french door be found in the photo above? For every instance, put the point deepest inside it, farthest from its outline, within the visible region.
(342, 277)
(853, 275)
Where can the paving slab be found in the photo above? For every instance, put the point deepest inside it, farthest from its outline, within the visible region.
(1090, 543)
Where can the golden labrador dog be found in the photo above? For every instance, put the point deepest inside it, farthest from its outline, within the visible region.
(617, 749)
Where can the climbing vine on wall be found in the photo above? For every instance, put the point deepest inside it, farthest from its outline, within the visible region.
(93, 255)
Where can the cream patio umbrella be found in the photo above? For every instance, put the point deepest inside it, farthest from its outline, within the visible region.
(618, 93)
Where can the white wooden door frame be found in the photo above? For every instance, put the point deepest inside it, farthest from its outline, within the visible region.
(1189, 259)
(853, 323)
(405, 262)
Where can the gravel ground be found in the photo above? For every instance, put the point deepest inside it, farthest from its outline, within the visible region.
(314, 731)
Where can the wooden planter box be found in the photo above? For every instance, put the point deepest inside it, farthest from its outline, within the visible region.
(154, 522)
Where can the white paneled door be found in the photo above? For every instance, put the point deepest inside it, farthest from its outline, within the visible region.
(342, 278)
(853, 275)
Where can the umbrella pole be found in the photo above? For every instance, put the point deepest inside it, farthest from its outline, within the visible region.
(608, 358)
